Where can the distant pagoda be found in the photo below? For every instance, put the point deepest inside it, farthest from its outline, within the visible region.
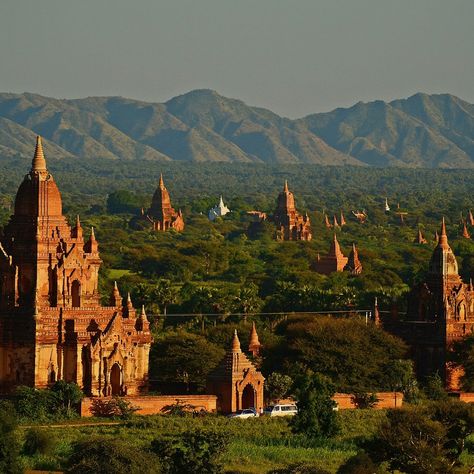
(220, 210)
(290, 224)
(161, 214)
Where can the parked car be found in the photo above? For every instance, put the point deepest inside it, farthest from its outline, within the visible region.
(246, 413)
(281, 410)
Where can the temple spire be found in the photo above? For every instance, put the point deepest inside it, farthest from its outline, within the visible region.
(285, 188)
(420, 239)
(326, 221)
(443, 238)
(465, 232)
(254, 343)
(335, 248)
(236, 343)
(115, 298)
(39, 163)
(377, 321)
(162, 183)
(143, 316)
(77, 231)
(92, 245)
(342, 220)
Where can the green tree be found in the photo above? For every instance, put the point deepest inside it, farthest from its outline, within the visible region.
(165, 293)
(278, 386)
(401, 377)
(411, 442)
(193, 452)
(184, 357)
(458, 420)
(355, 356)
(247, 301)
(316, 417)
(123, 201)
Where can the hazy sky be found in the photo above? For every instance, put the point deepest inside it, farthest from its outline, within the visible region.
(292, 56)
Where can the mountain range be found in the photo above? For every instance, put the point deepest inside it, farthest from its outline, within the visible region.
(423, 131)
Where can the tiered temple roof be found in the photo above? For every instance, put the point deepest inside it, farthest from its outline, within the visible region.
(161, 214)
(290, 224)
(334, 261)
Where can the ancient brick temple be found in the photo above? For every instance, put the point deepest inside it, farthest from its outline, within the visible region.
(52, 326)
(161, 214)
(334, 261)
(290, 224)
(236, 381)
(440, 311)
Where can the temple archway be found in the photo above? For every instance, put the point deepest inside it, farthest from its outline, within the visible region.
(76, 293)
(248, 397)
(51, 374)
(116, 379)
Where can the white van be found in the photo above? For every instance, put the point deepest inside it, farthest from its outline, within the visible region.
(281, 410)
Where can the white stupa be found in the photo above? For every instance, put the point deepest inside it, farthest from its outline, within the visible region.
(218, 211)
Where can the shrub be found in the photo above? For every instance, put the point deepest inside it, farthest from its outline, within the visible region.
(178, 409)
(365, 400)
(299, 468)
(38, 441)
(433, 388)
(66, 398)
(34, 404)
(108, 456)
(361, 463)
(61, 400)
(194, 452)
(116, 406)
(9, 446)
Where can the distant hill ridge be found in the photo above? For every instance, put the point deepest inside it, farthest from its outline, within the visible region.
(423, 131)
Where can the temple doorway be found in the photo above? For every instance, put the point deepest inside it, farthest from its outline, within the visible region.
(115, 379)
(76, 294)
(248, 397)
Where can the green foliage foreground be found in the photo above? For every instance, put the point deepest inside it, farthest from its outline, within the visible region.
(253, 446)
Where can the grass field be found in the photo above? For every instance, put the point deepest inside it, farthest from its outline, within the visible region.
(255, 445)
(116, 274)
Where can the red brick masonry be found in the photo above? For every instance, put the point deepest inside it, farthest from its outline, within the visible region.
(386, 400)
(150, 405)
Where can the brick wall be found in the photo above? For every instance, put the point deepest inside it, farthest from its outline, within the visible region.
(151, 405)
(386, 400)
